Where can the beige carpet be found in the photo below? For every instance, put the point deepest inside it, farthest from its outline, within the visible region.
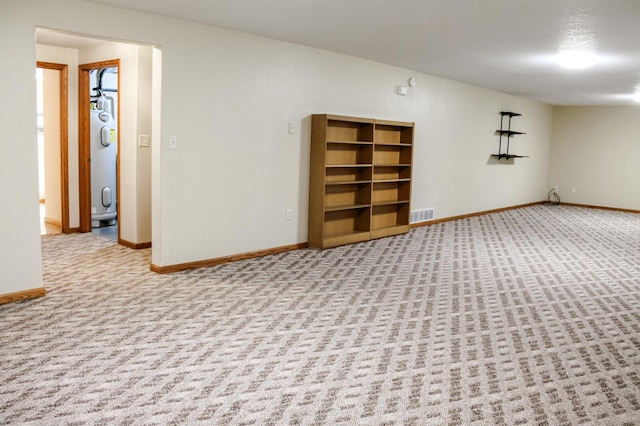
(526, 317)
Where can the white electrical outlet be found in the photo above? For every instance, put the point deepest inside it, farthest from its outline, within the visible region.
(291, 128)
(573, 190)
(173, 142)
(288, 214)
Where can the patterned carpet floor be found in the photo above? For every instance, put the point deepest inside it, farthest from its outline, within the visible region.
(525, 317)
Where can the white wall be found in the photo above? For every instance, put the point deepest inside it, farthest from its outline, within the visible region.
(143, 154)
(596, 150)
(227, 97)
(235, 171)
(20, 259)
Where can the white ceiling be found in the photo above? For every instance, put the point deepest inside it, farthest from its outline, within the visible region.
(505, 45)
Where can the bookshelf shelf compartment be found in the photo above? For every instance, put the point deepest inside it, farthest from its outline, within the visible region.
(385, 192)
(343, 225)
(348, 154)
(347, 195)
(392, 155)
(360, 179)
(389, 220)
(391, 172)
(349, 130)
(388, 133)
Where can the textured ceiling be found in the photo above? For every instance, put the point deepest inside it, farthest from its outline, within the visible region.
(505, 45)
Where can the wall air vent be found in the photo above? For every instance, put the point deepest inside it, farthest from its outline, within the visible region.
(422, 215)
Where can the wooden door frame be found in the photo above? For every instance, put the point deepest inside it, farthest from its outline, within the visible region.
(84, 143)
(63, 70)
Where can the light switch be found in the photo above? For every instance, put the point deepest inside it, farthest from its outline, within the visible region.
(143, 141)
(172, 142)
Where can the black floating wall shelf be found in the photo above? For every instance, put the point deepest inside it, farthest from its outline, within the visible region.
(507, 133)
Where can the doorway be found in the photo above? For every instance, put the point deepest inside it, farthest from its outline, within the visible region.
(99, 147)
(138, 66)
(53, 147)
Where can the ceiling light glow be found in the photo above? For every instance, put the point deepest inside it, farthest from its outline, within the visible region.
(576, 60)
(636, 96)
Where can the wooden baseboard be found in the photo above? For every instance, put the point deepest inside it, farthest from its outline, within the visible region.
(226, 259)
(53, 222)
(589, 206)
(22, 295)
(465, 216)
(135, 246)
(74, 230)
(220, 260)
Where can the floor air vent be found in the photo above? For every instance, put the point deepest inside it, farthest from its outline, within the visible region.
(422, 215)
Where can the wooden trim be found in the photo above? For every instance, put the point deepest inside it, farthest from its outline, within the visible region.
(589, 206)
(22, 295)
(135, 246)
(226, 259)
(53, 222)
(84, 165)
(64, 139)
(84, 149)
(465, 216)
(64, 147)
(346, 118)
(395, 123)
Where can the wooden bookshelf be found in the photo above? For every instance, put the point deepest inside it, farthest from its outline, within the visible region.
(360, 183)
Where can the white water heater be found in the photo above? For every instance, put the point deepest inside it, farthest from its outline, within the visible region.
(104, 145)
